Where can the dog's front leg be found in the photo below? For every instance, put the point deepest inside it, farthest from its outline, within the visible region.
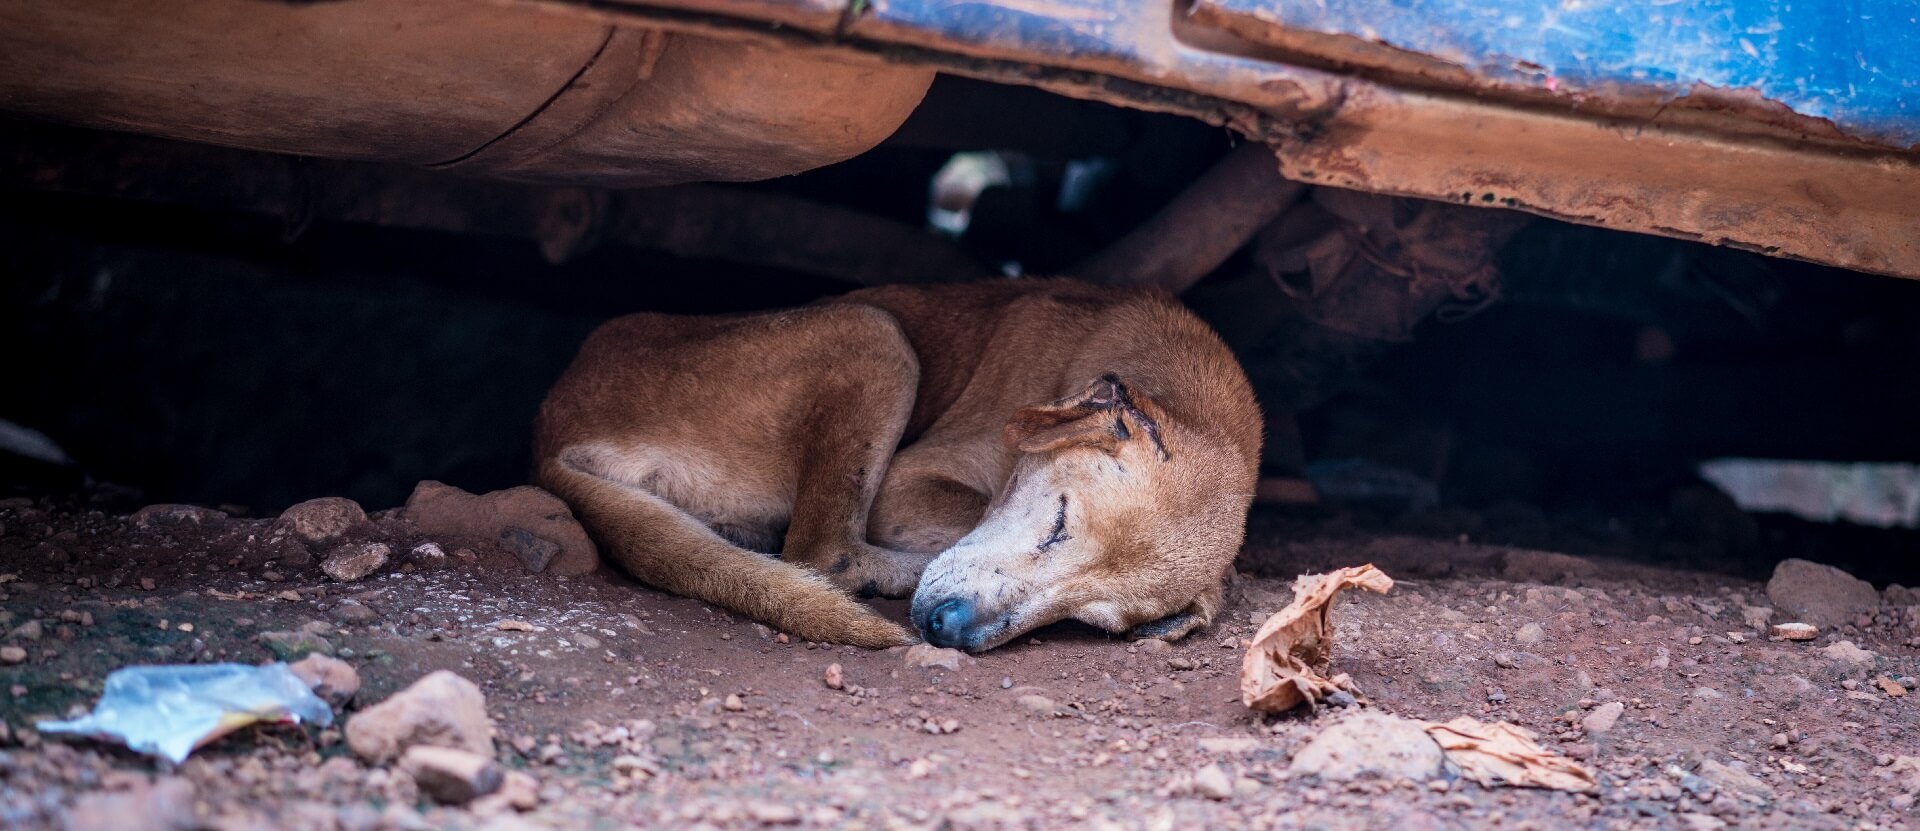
(848, 436)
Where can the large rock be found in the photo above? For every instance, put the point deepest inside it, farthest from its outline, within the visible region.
(1820, 594)
(533, 524)
(322, 520)
(1370, 743)
(440, 710)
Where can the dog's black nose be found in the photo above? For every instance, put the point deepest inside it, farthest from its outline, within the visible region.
(947, 623)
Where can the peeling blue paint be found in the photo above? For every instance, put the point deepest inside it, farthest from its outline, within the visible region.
(1855, 63)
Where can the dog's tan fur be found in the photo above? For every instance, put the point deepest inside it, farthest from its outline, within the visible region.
(902, 430)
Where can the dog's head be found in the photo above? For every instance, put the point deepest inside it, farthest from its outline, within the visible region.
(1117, 513)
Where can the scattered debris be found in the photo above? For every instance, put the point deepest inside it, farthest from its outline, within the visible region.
(1795, 631)
(452, 776)
(535, 525)
(1820, 594)
(441, 710)
(1284, 665)
(168, 711)
(928, 656)
(1499, 753)
(1370, 743)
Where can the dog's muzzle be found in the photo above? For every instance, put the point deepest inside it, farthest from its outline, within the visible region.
(948, 623)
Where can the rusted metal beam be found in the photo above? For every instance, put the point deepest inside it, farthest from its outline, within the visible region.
(698, 221)
(1196, 232)
(1706, 170)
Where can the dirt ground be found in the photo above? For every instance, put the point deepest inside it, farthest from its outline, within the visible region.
(637, 709)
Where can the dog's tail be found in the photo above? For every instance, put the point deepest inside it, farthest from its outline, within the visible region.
(665, 547)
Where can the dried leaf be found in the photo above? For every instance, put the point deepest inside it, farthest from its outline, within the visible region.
(1287, 662)
(1505, 754)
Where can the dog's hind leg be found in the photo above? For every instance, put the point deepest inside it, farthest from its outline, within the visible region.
(666, 547)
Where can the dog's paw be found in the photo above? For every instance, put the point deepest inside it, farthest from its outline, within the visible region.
(878, 572)
(1170, 628)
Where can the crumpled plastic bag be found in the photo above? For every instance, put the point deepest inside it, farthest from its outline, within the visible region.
(168, 711)
(1287, 662)
(1505, 754)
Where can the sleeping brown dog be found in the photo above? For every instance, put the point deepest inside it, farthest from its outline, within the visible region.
(1010, 453)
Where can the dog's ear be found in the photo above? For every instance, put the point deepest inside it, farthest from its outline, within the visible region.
(1106, 415)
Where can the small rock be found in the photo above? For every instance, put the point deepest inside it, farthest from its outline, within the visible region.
(535, 552)
(287, 646)
(1603, 717)
(773, 813)
(1820, 594)
(511, 625)
(351, 612)
(441, 710)
(334, 680)
(733, 704)
(1530, 634)
(1734, 779)
(835, 681)
(1037, 704)
(1370, 743)
(1795, 631)
(354, 561)
(540, 519)
(11, 655)
(1887, 685)
(451, 777)
(1847, 652)
(1152, 646)
(1181, 663)
(166, 805)
(1527, 566)
(32, 630)
(1212, 782)
(1229, 745)
(928, 656)
(585, 641)
(1756, 617)
(175, 516)
(429, 551)
(322, 520)
(518, 790)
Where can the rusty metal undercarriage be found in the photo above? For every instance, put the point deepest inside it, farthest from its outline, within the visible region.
(625, 93)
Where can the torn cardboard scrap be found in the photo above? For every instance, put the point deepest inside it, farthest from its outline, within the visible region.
(1288, 660)
(1505, 754)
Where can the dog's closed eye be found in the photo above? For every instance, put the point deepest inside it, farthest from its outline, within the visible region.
(1059, 533)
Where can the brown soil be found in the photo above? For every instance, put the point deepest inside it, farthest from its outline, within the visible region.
(618, 697)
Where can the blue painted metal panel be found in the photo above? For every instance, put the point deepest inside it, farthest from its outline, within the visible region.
(1853, 62)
